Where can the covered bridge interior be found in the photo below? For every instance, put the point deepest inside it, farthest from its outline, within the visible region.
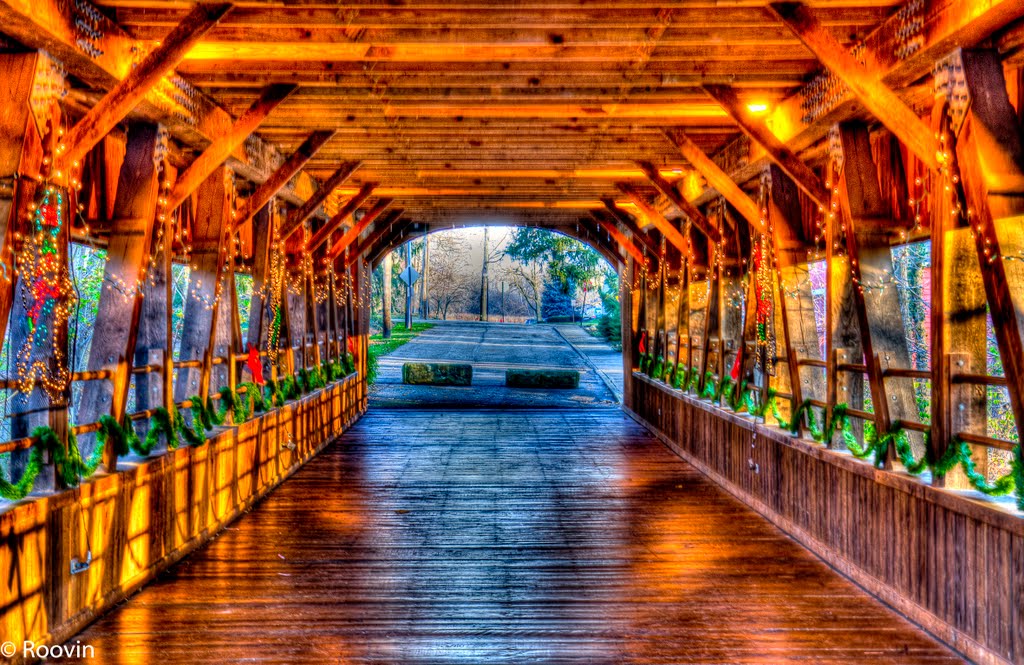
(753, 170)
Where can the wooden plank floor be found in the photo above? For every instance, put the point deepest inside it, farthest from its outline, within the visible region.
(503, 536)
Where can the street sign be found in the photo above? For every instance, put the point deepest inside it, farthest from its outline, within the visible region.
(409, 276)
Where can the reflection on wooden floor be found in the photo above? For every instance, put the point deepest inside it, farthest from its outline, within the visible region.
(482, 537)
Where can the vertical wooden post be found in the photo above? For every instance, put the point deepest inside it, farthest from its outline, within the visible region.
(201, 307)
(990, 156)
(26, 135)
(876, 299)
(116, 328)
(21, 158)
(796, 302)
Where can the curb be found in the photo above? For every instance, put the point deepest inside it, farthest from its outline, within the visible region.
(614, 389)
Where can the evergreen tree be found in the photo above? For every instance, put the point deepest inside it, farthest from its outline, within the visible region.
(556, 303)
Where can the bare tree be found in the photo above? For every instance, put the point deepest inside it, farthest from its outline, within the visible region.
(449, 282)
(527, 280)
(491, 255)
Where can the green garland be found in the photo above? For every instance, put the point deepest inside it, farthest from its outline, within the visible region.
(71, 467)
(658, 368)
(876, 447)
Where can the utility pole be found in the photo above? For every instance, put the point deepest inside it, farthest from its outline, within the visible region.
(386, 297)
(503, 302)
(408, 287)
(483, 278)
(424, 296)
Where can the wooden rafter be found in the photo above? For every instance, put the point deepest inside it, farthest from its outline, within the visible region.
(757, 129)
(279, 178)
(622, 217)
(357, 229)
(339, 218)
(672, 193)
(126, 95)
(863, 81)
(298, 217)
(612, 229)
(666, 227)
(718, 179)
(218, 151)
(373, 242)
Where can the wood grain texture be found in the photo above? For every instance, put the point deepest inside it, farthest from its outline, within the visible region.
(141, 520)
(520, 536)
(939, 557)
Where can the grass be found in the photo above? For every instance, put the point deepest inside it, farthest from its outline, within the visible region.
(382, 347)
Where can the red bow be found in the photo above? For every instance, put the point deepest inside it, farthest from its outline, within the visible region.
(255, 365)
(643, 341)
(351, 346)
(735, 373)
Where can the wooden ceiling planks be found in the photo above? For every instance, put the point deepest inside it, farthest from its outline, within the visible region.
(459, 107)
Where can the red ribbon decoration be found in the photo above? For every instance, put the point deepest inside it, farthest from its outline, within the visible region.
(255, 365)
(643, 341)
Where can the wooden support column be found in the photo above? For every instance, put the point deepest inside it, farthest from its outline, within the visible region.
(868, 242)
(116, 326)
(26, 135)
(206, 164)
(21, 158)
(990, 157)
(154, 343)
(209, 250)
(800, 330)
(842, 321)
(132, 89)
(263, 222)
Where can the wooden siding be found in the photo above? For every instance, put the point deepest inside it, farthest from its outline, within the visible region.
(149, 515)
(951, 563)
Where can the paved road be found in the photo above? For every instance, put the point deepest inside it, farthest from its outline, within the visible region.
(491, 348)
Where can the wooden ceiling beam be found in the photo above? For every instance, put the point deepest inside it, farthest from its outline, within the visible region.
(899, 61)
(672, 193)
(129, 91)
(718, 179)
(357, 229)
(222, 147)
(339, 218)
(624, 218)
(863, 81)
(395, 230)
(757, 129)
(663, 224)
(612, 229)
(102, 57)
(381, 228)
(284, 173)
(596, 239)
(296, 218)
